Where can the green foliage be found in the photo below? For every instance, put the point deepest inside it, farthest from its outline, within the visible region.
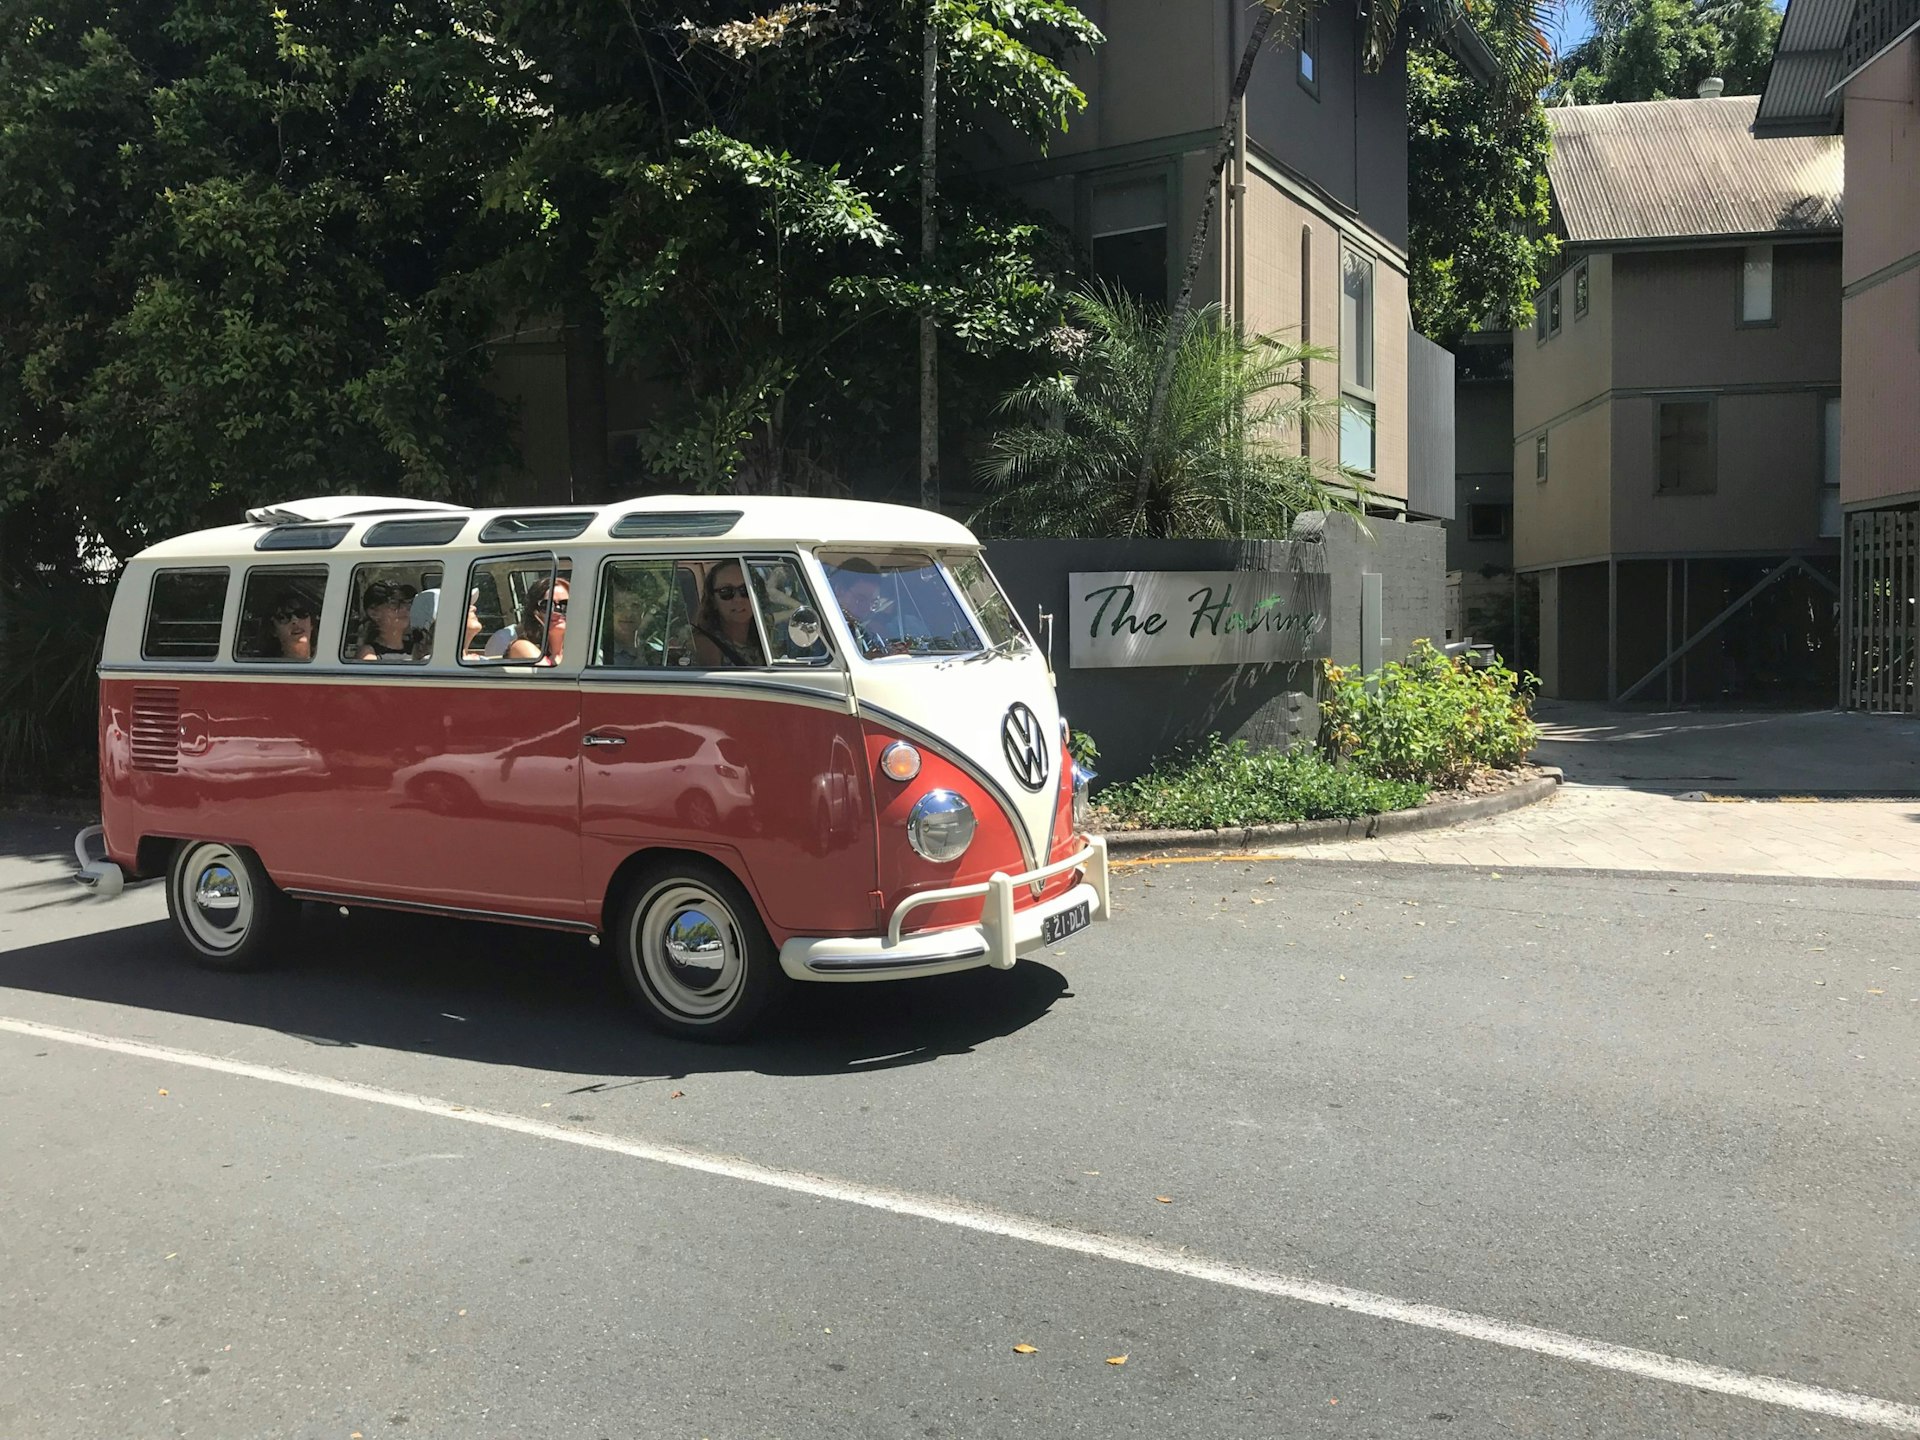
(1478, 215)
(50, 636)
(734, 201)
(1663, 49)
(1432, 719)
(1081, 747)
(1225, 461)
(1230, 784)
(252, 251)
(232, 238)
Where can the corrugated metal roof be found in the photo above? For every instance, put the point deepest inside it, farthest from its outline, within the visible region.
(1806, 62)
(1684, 169)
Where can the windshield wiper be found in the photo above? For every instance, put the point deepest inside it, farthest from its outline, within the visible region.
(1006, 646)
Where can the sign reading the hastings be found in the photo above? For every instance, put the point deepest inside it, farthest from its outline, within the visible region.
(1197, 617)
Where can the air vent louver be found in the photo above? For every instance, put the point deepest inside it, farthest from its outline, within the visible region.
(156, 728)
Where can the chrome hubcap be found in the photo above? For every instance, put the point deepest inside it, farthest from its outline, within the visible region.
(689, 950)
(218, 898)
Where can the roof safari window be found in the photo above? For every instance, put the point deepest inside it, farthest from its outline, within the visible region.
(391, 613)
(302, 537)
(557, 525)
(436, 531)
(184, 611)
(280, 614)
(517, 611)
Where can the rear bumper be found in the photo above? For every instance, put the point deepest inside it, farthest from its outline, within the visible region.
(1000, 937)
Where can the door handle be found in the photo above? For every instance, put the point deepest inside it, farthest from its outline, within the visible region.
(605, 740)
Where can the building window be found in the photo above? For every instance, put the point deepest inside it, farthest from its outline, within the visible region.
(1308, 72)
(1356, 434)
(1357, 416)
(1540, 319)
(1830, 467)
(1489, 522)
(1128, 236)
(1580, 292)
(1540, 457)
(1553, 311)
(1756, 286)
(1684, 453)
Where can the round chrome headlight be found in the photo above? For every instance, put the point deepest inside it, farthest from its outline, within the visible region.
(941, 826)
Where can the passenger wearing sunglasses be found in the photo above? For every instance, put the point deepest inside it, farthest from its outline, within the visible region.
(386, 634)
(541, 636)
(725, 633)
(292, 620)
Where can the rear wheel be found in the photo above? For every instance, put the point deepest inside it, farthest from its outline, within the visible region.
(225, 908)
(694, 953)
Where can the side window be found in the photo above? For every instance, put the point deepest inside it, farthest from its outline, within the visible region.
(183, 615)
(795, 631)
(392, 609)
(516, 610)
(645, 617)
(280, 613)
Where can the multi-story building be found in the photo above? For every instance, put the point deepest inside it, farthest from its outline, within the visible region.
(1853, 66)
(1676, 409)
(1311, 240)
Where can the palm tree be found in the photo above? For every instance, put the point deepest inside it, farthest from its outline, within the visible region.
(1222, 462)
(1513, 33)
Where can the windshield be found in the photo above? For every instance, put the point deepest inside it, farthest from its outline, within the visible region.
(899, 604)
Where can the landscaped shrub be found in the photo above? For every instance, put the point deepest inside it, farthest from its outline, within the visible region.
(1432, 718)
(1225, 785)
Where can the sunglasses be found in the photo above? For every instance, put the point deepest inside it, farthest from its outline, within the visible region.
(292, 612)
(729, 592)
(552, 607)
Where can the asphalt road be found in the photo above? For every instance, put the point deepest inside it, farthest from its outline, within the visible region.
(431, 1180)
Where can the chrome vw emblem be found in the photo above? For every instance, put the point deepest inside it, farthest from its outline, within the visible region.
(1024, 740)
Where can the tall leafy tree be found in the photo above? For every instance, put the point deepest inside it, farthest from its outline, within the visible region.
(232, 241)
(1663, 49)
(732, 198)
(1477, 200)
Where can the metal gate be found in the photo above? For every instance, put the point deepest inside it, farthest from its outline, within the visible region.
(1883, 596)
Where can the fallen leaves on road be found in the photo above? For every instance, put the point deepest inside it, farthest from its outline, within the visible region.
(1116, 1359)
(163, 1092)
(678, 1095)
(1025, 1349)
(1164, 1199)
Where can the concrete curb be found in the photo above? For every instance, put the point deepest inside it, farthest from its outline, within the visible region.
(1366, 827)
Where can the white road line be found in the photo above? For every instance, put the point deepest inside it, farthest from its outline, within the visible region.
(1646, 1364)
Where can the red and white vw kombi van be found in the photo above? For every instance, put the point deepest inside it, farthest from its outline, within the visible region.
(750, 741)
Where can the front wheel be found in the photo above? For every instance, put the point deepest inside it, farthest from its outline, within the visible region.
(225, 908)
(693, 952)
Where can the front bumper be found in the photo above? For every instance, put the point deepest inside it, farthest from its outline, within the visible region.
(1001, 935)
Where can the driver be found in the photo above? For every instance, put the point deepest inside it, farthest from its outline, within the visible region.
(856, 585)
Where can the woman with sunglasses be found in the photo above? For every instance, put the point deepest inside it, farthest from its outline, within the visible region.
(292, 622)
(387, 632)
(725, 633)
(541, 635)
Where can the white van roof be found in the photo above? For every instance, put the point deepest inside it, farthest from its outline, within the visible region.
(669, 521)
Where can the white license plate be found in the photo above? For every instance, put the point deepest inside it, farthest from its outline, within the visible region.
(1056, 928)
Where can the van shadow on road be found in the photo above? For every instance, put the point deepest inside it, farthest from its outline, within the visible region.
(501, 995)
